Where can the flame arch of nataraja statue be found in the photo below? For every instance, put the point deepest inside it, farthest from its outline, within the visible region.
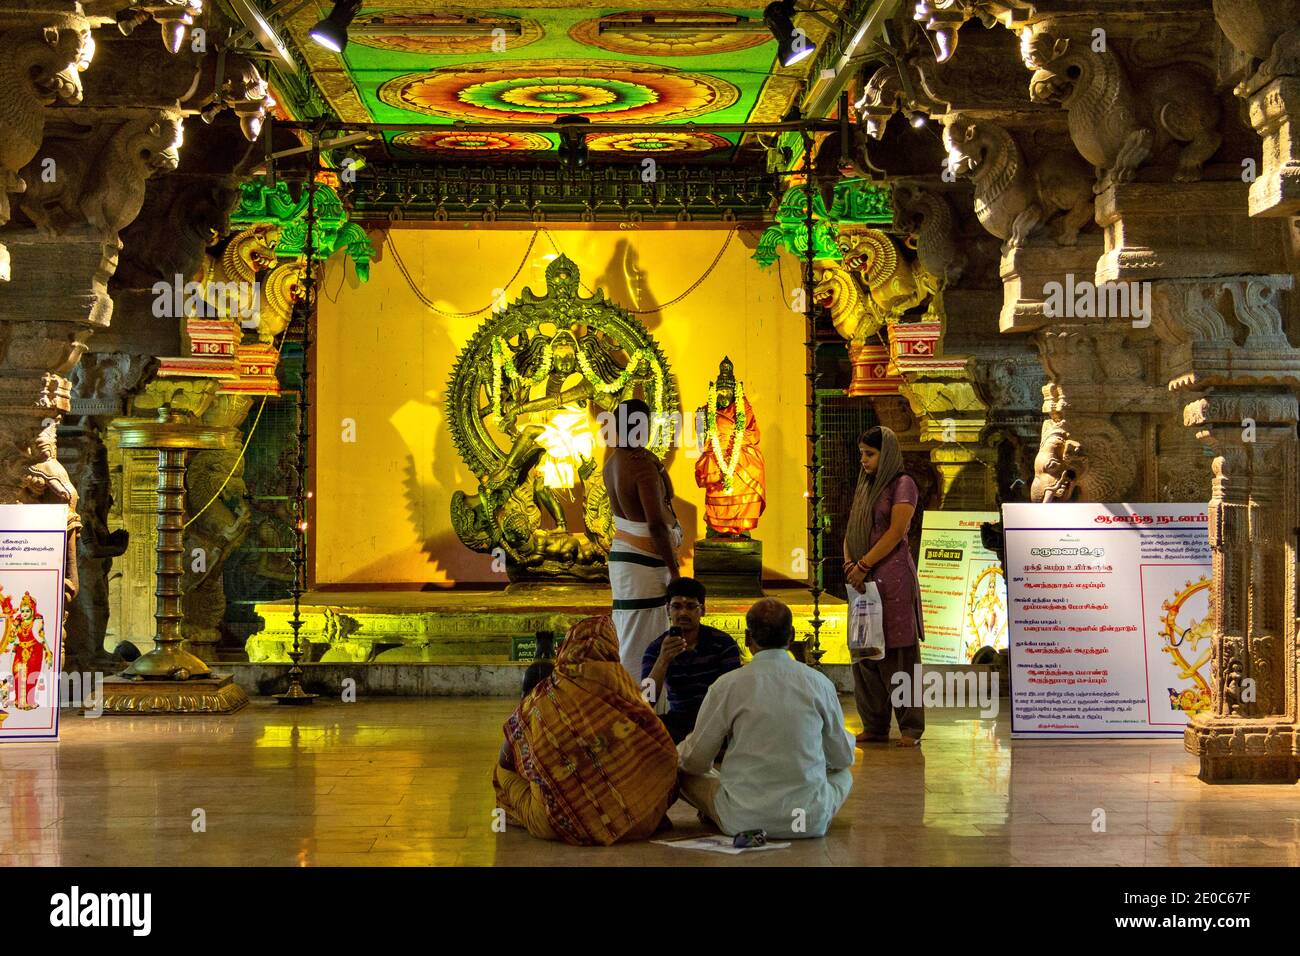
(520, 408)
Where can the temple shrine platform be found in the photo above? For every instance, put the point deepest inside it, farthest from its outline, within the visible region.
(479, 641)
(473, 643)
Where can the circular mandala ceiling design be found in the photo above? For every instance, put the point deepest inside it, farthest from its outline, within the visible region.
(539, 91)
(529, 32)
(627, 40)
(678, 143)
(470, 144)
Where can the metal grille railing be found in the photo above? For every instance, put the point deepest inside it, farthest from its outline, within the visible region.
(840, 420)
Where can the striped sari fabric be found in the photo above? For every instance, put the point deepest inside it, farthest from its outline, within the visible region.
(604, 765)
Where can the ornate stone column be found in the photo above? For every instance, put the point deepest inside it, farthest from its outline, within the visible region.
(101, 385)
(73, 176)
(1266, 32)
(45, 45)
(1100, 394)
(1233, 349)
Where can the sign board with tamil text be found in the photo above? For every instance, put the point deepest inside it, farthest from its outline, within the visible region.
(1110, 628)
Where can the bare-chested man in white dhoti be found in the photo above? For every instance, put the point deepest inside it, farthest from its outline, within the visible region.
(643, 558)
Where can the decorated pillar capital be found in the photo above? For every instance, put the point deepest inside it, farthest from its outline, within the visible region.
(1266, 33)
(44, 49)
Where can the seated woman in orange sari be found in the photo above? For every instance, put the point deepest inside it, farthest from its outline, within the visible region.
(585, 759)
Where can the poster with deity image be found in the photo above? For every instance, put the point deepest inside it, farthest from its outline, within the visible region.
(32, 549)
(1110, 618)
(963, 589)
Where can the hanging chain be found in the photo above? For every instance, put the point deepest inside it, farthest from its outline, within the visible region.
(431, 304)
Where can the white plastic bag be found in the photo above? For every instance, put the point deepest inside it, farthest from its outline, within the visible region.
(866, 622)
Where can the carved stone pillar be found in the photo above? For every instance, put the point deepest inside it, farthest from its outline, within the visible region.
(101, 384)
(1157, 231)
(1157, 236)
(1232, 347)
(1265, 30)
(1100, 391)
(63, 251)
(45, 45)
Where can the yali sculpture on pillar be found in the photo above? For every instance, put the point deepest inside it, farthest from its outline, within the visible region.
(521, 406)
(730, 467)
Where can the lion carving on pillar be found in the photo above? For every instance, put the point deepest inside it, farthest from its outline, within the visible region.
(1013, 200)
(1057, 464)
(1115, 127)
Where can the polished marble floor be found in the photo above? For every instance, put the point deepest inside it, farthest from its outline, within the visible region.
(406, 782)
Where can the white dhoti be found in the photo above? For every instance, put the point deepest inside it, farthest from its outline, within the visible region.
(638, 579)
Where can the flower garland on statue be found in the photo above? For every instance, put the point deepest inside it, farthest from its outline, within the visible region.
(620, 383)
(726, 464)
(504, 363)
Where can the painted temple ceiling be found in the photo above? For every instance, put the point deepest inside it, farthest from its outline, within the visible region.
(556, 61)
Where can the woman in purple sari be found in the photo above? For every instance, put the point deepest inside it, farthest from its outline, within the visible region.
(876, 549)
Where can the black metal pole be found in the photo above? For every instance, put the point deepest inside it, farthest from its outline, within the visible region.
(296, 694)
(814, 435)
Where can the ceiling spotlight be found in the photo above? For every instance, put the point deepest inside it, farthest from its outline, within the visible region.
(792, 44)
(332, 32)
(573, 141)
(917, 119)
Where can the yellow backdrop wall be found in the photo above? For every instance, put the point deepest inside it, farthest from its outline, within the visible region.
(383, 359)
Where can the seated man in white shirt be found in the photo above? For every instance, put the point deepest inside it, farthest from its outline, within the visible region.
(787, 769)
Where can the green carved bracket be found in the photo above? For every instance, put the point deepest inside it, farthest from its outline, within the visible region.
(853, 201)
(260, 203)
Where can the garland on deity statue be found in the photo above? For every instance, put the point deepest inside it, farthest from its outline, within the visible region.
(506, 363)
(728, 463)
(657, 442)
(620, 383)
(503, 363)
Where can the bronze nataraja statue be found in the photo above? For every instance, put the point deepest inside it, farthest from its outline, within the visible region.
(522, 405)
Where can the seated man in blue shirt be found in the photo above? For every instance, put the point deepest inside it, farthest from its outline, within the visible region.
(690, 656)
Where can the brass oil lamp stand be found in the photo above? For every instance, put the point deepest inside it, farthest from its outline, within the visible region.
(169, 679)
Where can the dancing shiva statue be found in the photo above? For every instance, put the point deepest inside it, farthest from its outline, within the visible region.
(522, 407)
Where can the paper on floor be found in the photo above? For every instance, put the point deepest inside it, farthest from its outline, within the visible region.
(718, 844)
